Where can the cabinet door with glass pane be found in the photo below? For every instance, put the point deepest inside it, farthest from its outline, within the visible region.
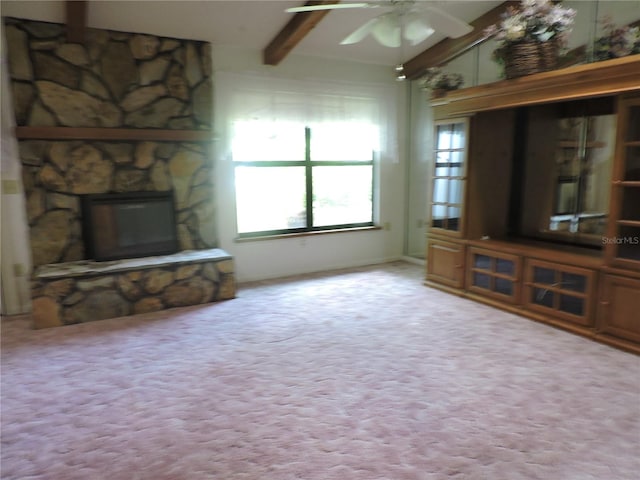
(494, 274)
(561, 291)
(623, 237)
(448, 189)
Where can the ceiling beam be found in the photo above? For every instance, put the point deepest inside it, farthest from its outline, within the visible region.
(449, 48)
(76, 11)
(293, 32)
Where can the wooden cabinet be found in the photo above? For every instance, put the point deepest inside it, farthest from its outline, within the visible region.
(618, 312)
(536, 198)
(495, 275)
(623, 236)
(445, 262)
(561, 291)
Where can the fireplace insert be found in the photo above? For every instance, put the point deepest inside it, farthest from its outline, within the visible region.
(127, 225)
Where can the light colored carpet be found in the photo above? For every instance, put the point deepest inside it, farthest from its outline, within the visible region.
(362, 374)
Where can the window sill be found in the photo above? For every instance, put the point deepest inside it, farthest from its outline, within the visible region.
(306, 234)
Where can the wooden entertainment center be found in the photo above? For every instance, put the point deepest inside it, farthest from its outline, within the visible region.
(535, 202)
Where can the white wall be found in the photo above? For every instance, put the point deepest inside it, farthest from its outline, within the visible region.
(419, 170)
(261, 259)
(15, 256)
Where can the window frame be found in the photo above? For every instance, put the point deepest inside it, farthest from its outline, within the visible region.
(309, 165)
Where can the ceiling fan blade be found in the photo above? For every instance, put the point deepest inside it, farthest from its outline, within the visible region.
(387, 30)
(449, 25)
(416, 30)
(333, 6)
(360, 33)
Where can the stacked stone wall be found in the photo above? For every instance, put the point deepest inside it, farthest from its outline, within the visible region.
(113, 80)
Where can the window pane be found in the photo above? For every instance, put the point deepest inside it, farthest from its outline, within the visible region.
(481, 280)
(270, 198)
(628, 242)
(505, 266)
(443, 158)
(457, 138)
(571, 304)
(442, 171)
(544, 275)
(438, 216)
(455, 191)
(542, 296)
(454, 218)
(269, 141)
(457, 162)
(573, 281)
(504, 286)
(440, 190)
(342, 195)
(444, 136)
(482, 261)
(343, 142)
(631, 202)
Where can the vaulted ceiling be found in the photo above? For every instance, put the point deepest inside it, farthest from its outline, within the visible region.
(264, 25)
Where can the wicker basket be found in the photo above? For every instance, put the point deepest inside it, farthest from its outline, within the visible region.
(525, 58)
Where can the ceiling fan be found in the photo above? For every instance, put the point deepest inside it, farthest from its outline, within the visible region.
(407, 20)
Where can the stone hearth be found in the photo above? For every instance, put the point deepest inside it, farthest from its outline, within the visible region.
(76, 292)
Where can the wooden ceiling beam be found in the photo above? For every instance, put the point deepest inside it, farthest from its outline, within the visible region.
(449, 48)
(293, 32)
(76, 11)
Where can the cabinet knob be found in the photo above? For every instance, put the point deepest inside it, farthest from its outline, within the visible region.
(458, 266)
(605, 302)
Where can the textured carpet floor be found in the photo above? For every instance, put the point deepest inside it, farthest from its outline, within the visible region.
(362, 374)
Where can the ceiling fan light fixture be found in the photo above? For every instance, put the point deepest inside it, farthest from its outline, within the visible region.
(359, 33)
(416, 30)
(387, 30)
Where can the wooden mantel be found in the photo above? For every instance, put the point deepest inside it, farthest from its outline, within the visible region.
(589, 80)
(124, 134)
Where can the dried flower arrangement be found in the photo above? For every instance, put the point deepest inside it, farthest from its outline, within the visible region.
(535, 27)
(616, 41)
(436, 79)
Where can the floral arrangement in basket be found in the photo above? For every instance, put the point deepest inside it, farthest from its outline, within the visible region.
(438, 81)
(616, 41)
(531, 35)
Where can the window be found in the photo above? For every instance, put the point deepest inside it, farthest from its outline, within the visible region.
(302, 178)
(448, 180)
(303, 161)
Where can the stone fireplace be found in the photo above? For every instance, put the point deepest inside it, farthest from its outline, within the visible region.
(120, 114)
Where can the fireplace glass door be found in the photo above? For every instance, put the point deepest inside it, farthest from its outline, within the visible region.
(127, 225)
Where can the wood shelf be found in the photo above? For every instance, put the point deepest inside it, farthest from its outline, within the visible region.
(629, 223)
(130, 134)
(569, 83)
